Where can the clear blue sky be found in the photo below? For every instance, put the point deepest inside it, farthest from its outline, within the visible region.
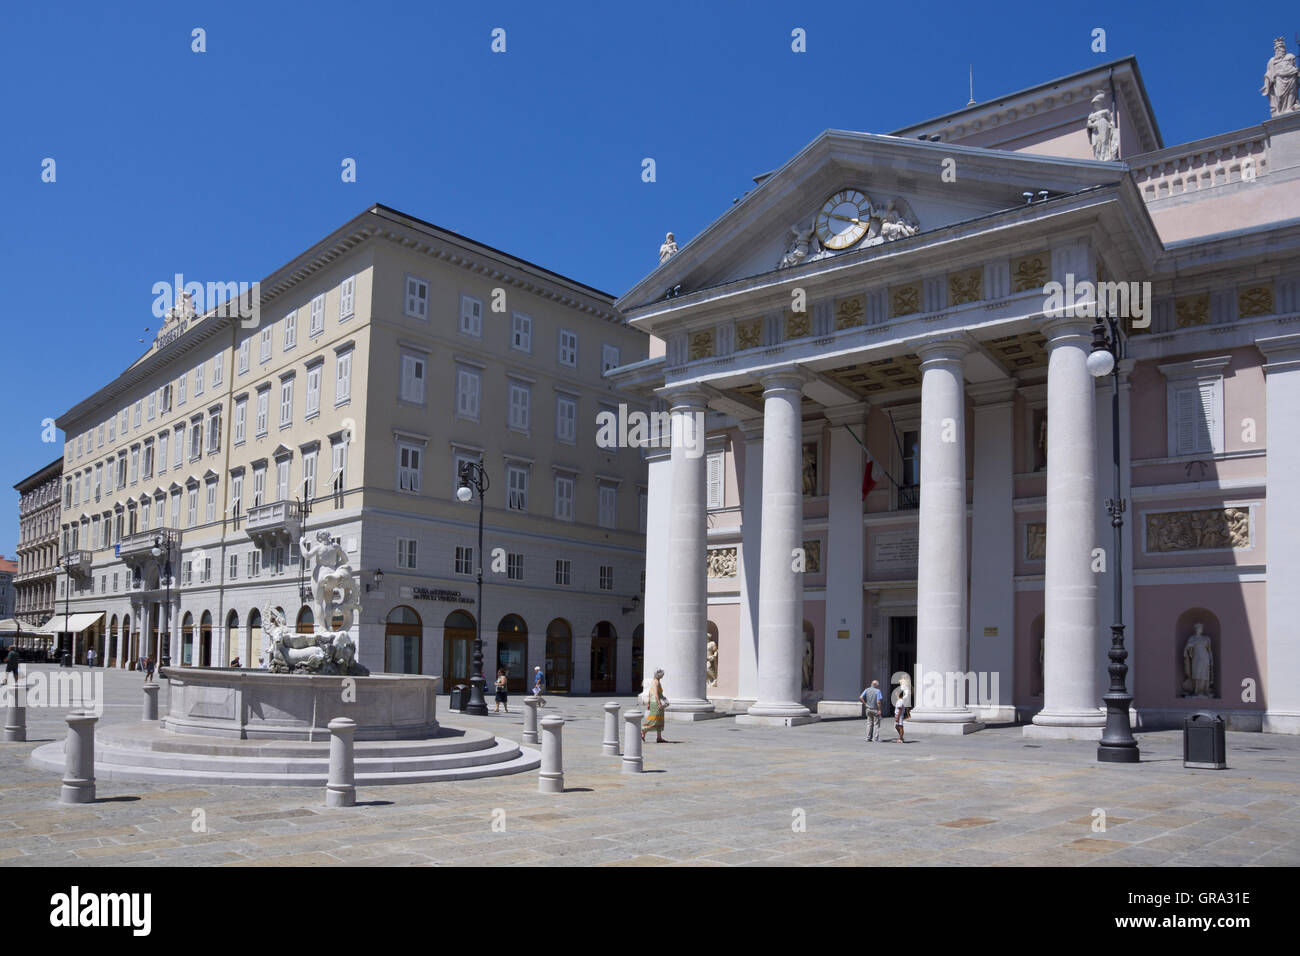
(225, 164)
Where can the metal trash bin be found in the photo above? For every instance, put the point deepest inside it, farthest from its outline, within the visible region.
(459, 697)
(1204, 744)
(65, 659)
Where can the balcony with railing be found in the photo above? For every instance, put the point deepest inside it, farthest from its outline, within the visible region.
(139, 546)
(909, 497)
(77, 562)
(274, 523)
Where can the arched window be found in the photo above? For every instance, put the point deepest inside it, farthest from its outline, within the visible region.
(232, 639)
(559, 656)
(403, 641)
(512, 652)
(604, 657)
(187, 640)
(254, 650)
(306, 620)
(458, 632)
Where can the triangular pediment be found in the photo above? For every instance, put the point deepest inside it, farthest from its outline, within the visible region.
(904, 188)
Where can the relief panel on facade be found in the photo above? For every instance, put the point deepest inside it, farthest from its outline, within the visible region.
(812, 556)
(797, 325)
(905, 299)
(850, 312)
(1254, 300)
(1036, 541)
(701, 344)
(749, 334)
(722, 563)
(967, 286)
(1192, 310)
(1211, 529)
(1029, 272)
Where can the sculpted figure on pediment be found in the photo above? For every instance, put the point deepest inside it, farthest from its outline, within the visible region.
(895, 223)
(1102, 132)
(796, 250)
(668, 249)
(1280, 80)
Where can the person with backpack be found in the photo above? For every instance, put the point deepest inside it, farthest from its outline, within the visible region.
(872, 698)
(539, 685)
(148, 668)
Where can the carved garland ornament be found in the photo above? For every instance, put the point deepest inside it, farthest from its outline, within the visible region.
(1207, 530)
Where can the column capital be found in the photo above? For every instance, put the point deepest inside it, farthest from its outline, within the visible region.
(986, 394)
(852, 414)
(944, 348)
(692, 397)
(783, 377)
(1064, 330)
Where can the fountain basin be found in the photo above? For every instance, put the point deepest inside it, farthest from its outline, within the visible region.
(259, 705)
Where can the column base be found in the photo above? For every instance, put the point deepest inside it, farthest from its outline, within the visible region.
(914, 727)
(776, 720)
(1276, 722)
(1079, 725)
(672, 713)
(839, 708)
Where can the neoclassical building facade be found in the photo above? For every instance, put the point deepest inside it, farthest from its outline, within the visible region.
(38, 544)
(384, 357)
(905, 457)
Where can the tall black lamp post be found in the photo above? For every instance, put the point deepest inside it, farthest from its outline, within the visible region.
(474, 479)
(67, 562)
(1117, 743)
(162, 545)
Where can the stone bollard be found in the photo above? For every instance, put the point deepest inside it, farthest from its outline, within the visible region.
(79, 766)
(609, 746)
(15, 712)
(340, 790)
(150, 710)
(550, 779)
(530, 720)
(632, 741)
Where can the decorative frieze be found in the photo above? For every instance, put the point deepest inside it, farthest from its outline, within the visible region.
(850, 312)
(1029, 272)
(1036, 541)
(798, 325)
(812, 556)
(1254, 300)
(701, 344)
(966, 286)
(1209, 529)
(1192, 310)
(904, 299)
(722, 563)
(749, 334)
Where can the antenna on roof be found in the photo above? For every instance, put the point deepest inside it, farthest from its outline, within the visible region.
(972, 85)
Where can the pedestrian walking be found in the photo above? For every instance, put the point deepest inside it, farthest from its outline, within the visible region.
(539, 685)
(235, 663)
(11, 664)
(90, 657)
(148, 668)
(501, 692)
(655, 703)
(872, 698)
(902, 705)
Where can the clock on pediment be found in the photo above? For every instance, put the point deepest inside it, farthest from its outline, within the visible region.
(844, 219)
(847, 219)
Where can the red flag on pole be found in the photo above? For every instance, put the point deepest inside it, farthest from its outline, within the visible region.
(868, 482)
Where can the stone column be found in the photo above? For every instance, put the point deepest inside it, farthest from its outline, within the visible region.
(79, 767)
(658, 512)
(16, 710)
(550, 779)
(780, 595)
(530, 720)
(632, 741)
(609, 746)
(150, 709)
(842, 661)
(1281, 684)
(340, 790)
(941, 603)
(687, 597)
(993, 553)
(1072, 644)
(751, 526)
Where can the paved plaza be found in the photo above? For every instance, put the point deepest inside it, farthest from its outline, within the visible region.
(718, 795)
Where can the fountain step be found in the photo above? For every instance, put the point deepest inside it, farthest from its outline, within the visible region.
(147, 737)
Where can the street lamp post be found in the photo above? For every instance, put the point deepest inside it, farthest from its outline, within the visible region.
(161, 543)
(66, 561)
(473, 478)
(1117, 744)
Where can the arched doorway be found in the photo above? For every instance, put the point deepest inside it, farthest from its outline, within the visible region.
(187, 640)
(638, 658)
(559, 656)
(205, 639)
(457, 644)
(129, 642)
(512, 653)
(232, 639)
(403, 646)
(253, 656)
(112, 642)
(604, 654)
(306, 620)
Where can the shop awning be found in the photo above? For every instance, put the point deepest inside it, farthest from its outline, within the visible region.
(17, 628)
(74, 623)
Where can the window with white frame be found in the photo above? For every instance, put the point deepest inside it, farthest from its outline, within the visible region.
(564, 497)
(517, 487)
(313, 390)
(210, 506)
(409, 457)
(167, 398)
(347, 298)
(146, 469)
(309, 474)
(520, 406)
(187, 572)
(112, 427)
(121, 472)
(464, 563)
(241, 419)
(192, 509)
(318, 315)
(254, 563)
(608, 357)
(236, 494)
(214, 431)
(343, 378)
(467, 393)
(1194, 409)
(406, 558)
(417, 298)
(99, 436)
(521, 332)
(198, 380)
(412, 378)
(181, 384)
(264, 346)
(714, 480)
(459, 460)
(151, 409)
(282, 478)
(178, 445)
(568, 353)
(218, 361)
(263, 404)
(122, 422)
(176, 508)
(607, 577)
(259, 485)
(135, 465)
(99, 474)
(606, 505)
(291, 330)
(471, 316)
(563, 571)
(196, 438)
(514, 565)
(286, 403)
(566, 418)
(243, 356)
(234, 567)
(338, 465)
(135, 423)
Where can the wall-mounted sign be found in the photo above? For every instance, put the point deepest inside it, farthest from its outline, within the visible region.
(440, 594)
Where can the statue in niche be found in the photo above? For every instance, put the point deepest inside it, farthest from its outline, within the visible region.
(1280, 80)
(1198, 664)
(1102, 132)
(668, 249)
(807, 662)
(711, 663)
(809, 470)
(1042, 443)
(797, 248)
